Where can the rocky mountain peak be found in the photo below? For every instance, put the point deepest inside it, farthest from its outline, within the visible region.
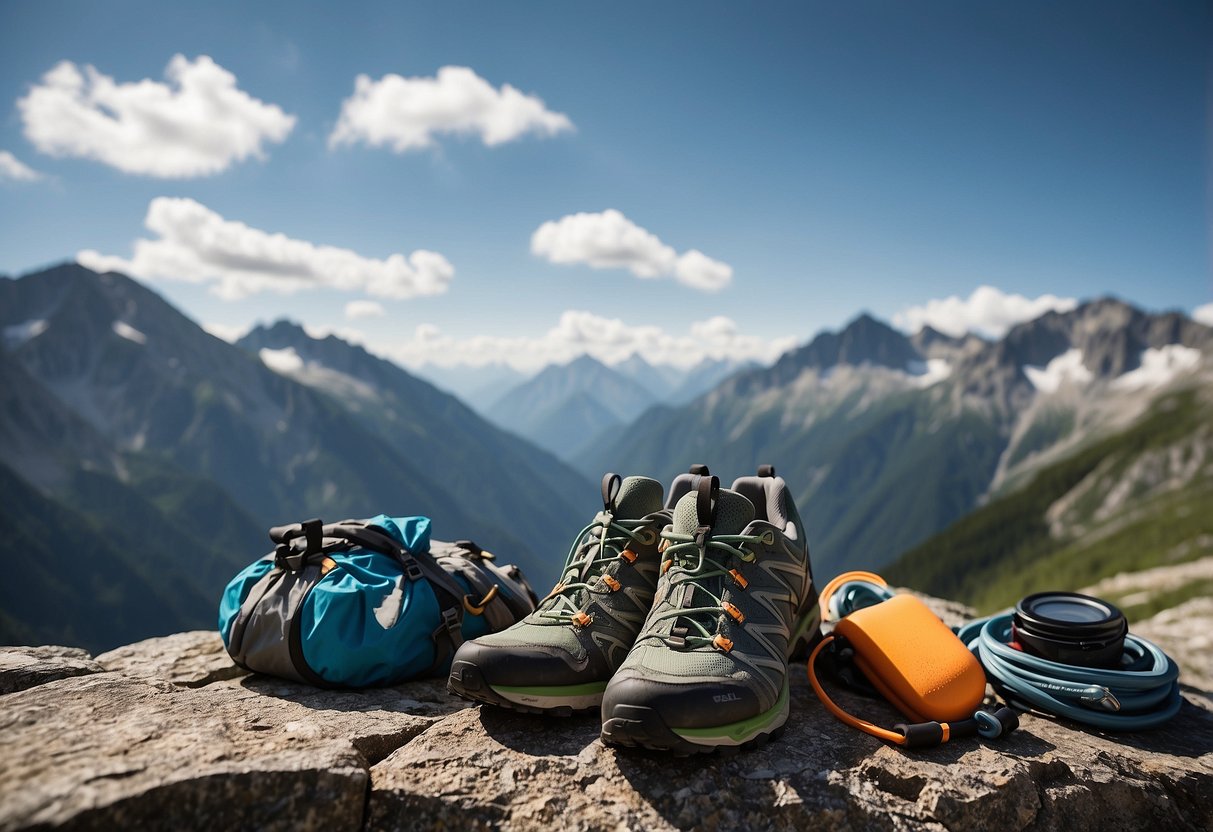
(1110, 334)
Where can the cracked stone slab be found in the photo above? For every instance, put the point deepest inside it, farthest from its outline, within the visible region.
(489, 768)
(190, 659)
(114, 750)
(27, 667)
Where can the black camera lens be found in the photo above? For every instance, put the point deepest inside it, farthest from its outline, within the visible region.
(1069, 628)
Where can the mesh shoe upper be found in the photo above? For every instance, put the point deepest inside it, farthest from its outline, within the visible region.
(733, 591)
(583, 630)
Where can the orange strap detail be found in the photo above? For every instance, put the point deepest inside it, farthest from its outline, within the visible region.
(854, 722)
(833, 585)
(478, 609)
(735, 613)
(739, 579)
(665, 566)
(582, 620)
(628, 555)
(723, 643)
(611, 582)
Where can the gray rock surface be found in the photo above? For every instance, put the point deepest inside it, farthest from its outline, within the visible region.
(25, 667)
(192, 659)
(167, 734)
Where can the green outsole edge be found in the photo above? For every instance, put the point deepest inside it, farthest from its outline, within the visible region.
(739, 731)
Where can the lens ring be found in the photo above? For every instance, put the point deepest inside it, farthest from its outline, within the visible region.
(1070, 628)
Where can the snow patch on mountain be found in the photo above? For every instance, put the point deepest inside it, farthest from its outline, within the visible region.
(1066, 367)
(125, 330)
(929, 372)
(283, 361)
(1159, 366)
(18, 334)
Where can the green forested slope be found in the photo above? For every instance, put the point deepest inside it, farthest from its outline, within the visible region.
(1137, 499)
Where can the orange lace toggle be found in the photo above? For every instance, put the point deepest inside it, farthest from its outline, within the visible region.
(665, 566)
(628, 555)
(582, 620)
(663, 545)
(736, 614)
(739, 579)
(723, 643)
(611, 582)
(555, 590)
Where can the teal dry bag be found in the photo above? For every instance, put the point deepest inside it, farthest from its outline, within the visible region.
(365, 602)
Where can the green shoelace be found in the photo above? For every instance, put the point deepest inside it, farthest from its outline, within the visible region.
(691, 563)
(594, 548)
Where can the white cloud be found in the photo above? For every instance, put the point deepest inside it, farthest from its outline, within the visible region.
(609, 240)
(408, 113)
(578, 332)
(197, 245)
(356, 309)
(227, 332)
(1203, 314)
(988, 311)
(197, 124)
(15, 170)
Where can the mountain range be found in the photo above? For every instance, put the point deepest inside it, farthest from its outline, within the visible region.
(565, 408)
(887, 439)
(176, 449)
(142, 459)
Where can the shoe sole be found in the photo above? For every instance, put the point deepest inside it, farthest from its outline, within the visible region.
(638, 726)
(468, 682)
(643, 727)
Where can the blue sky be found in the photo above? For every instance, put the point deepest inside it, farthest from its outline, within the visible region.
(835, 157)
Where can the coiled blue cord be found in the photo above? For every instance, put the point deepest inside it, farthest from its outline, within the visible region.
(1144, 694)
(855, 595)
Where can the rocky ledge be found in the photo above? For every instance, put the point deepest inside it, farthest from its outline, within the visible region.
(167, 733)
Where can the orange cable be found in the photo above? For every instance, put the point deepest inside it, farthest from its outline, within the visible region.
(854, 722)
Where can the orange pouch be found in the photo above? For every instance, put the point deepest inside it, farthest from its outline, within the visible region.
(915, 660)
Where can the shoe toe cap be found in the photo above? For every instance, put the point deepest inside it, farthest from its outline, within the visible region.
(682, 703)
(521, 665)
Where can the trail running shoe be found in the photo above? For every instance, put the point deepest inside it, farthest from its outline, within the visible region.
(734, 602)
(558, 659)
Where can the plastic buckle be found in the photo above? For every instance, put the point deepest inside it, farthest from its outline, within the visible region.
(288, 558)
(452, 625)
(412, 569)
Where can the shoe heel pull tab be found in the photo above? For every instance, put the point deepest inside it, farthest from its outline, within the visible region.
(705, 501)
(766, 470)
(610, 490)
(700, 470)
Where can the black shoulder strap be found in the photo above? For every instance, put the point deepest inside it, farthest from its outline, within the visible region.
(299, 541)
